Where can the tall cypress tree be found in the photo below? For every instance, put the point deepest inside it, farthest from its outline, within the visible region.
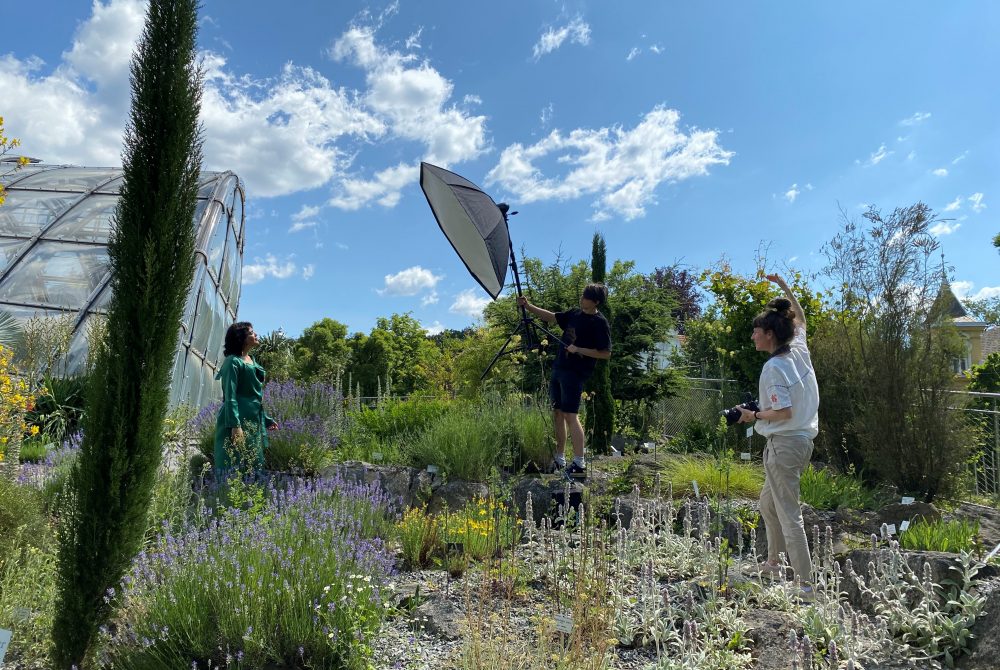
(151, 256)
(600, 420)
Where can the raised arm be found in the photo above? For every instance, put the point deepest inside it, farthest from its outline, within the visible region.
(543, 314)
(800, 316)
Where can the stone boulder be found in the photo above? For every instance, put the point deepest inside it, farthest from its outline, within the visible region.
(897, 512)
(406, 486)
(985, 653)
(541, 497)
(456, 495)
(769, 631)
(438, 617)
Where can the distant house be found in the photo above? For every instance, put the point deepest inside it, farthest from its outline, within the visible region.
(980, 338)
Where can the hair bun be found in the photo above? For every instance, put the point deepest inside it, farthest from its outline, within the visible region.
(781, 305)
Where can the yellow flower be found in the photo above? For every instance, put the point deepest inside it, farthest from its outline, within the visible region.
(34, 430)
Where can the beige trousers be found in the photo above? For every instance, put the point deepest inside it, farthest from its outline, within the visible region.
(785, 457)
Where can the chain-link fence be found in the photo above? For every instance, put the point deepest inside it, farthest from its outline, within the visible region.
(689, 417)
(984, 409)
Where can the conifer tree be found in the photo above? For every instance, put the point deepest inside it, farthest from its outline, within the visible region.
(151, 257)
(600, 419)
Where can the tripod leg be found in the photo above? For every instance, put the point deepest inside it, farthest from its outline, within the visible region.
(503, 351)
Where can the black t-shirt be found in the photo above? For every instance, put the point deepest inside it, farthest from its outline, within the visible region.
(588, 331)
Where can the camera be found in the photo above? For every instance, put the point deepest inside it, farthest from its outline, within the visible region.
(733, 413)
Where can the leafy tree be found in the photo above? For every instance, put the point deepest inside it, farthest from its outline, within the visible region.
(275, 353)
(899, 347)
(719, 343)
(151, 256)
(398, 351)
(987, 309)
(682, 285)
(600, 422)
(322, 352)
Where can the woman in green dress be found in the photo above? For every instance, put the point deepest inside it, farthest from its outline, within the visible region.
(241, 429)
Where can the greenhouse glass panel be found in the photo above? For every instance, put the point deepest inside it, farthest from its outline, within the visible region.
(9, 173)
(56, 274)
(102, 301)
(9, 249)
(77, 179)
(25, 213)
(216, 220)
(230, 270)
(208, 320)
(111, 188)
(176, 377)
(187, 320)
(90, 221)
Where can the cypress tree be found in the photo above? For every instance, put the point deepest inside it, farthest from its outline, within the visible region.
(600, 420)
(151, 258)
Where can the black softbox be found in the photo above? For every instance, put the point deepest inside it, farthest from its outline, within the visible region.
(472, 222)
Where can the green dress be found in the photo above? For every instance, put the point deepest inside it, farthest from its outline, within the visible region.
(242, 405)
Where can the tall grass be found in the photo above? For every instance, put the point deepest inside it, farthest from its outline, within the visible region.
(466, 443)
(823, 489)
(726, 477)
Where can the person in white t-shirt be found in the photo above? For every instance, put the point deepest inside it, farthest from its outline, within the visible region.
(789, 419)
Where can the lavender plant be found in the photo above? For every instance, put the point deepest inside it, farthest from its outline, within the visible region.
(242, 591)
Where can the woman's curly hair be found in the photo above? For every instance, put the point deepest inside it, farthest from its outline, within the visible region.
(236, 338)
(779, 318)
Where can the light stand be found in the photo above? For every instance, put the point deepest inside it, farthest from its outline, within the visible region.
(527, 327)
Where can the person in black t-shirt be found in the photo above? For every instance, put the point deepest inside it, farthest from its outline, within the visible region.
(586, 337)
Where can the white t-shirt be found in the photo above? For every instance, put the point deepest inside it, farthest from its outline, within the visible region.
(788, 380)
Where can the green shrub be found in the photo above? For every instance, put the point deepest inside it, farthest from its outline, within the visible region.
(34, 448)
(534, 436)
(823, 489)
(27, 593)
(696, 437)
(952, 536)
(466, 442)
(726, 477)
(21, 512)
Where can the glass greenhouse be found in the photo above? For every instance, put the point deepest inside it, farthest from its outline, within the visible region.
(54, 229)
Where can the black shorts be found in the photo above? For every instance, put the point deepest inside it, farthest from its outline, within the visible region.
(565, 390)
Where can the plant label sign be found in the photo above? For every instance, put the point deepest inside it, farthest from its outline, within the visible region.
(988, 557)
(432, 469)
(745, 456)
(377, 456)
(907, 500)
(903, 525)
(5, 636)
(564, 623)
(749, 432)
(694, 484)
(892, 529)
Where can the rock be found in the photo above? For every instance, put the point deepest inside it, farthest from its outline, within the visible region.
(456, 495)
(897, 512)
(541, 497)
(769, 632)
(985, 652)
(438, 617)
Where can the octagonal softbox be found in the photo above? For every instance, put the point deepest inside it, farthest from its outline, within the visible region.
(472, 222)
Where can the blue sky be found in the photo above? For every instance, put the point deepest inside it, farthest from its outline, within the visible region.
(684, 132)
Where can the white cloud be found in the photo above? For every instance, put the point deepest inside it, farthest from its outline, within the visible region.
(267, 267)
(633, 52)
(307, 212)
(809, 187)
(435, 328)
(301, 225)
(910, 156)
(940, 172)
(961, 157)
(342, 246)
(977, 202)
(963, 291)
(469, 303)
(547, 113)
(792, 193)
(429, 299)
(621, 167)
(308, 271)
(879, 155)
(413, 41)
(291, 132)
(954, 205)
(385, 189)
(944, 228)
(410, 281)
(916, 119)
(656, 49)
(577, 32)
(471, 99)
